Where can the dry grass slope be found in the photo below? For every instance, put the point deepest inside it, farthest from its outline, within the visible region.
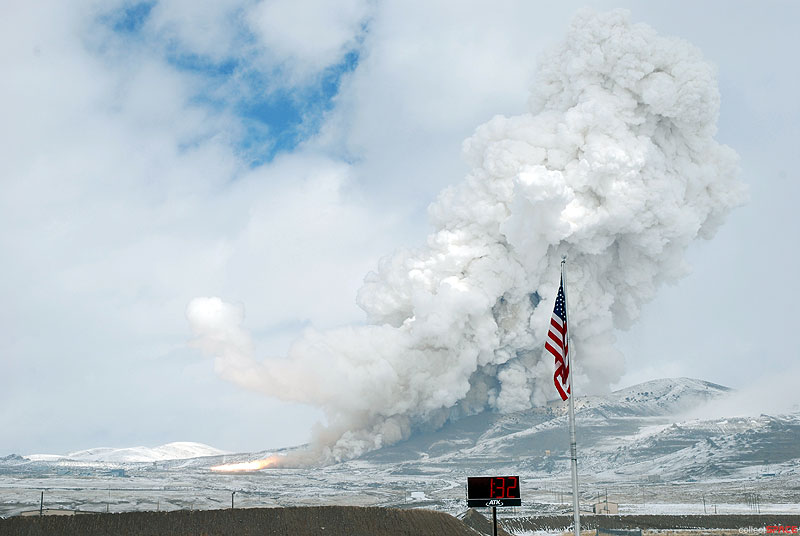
(482, 524)
(297, 521)
(731, 523)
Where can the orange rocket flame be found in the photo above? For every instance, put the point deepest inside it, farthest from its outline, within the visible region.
(255, 465)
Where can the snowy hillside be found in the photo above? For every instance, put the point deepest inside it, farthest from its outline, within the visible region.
(628, 434)
(610, 418)
(635, 431)
(668, 396)
(170, 451)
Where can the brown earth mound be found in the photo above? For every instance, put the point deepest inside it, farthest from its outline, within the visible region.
(296, 521)
(591, 522)
(476, 521)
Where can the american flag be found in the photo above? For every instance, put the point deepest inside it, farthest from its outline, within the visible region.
(557, 344)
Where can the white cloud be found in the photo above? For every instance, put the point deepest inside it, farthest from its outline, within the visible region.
(121, 200)
(428, 75)
(210, 29)
(304, 37)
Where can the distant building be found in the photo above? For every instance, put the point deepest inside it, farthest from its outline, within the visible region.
(654, 478)
(418, 496)
(605, 507)
(118, 472)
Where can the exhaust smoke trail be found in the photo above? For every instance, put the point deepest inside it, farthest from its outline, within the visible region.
(246, 467)
(615, 165)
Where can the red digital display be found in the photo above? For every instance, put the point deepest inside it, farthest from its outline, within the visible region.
(493, 491)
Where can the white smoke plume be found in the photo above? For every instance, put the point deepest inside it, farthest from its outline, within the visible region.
(615, 166)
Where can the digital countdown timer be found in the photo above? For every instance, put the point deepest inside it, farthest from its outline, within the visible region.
(493, 491)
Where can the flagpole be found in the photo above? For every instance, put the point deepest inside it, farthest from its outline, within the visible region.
(573, 447)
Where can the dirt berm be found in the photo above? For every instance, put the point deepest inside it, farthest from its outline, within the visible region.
(296, 521)
(734, 522)
(475, 520)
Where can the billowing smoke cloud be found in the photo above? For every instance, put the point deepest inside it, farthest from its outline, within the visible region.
(614, 166)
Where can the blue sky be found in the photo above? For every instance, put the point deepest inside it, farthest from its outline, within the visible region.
(272, 152)
(273, 117)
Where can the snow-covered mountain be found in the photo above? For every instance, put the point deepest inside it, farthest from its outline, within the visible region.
(635, 431)
(170, 451)
(628, 434)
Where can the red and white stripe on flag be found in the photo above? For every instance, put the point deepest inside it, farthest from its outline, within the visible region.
(557, 344)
